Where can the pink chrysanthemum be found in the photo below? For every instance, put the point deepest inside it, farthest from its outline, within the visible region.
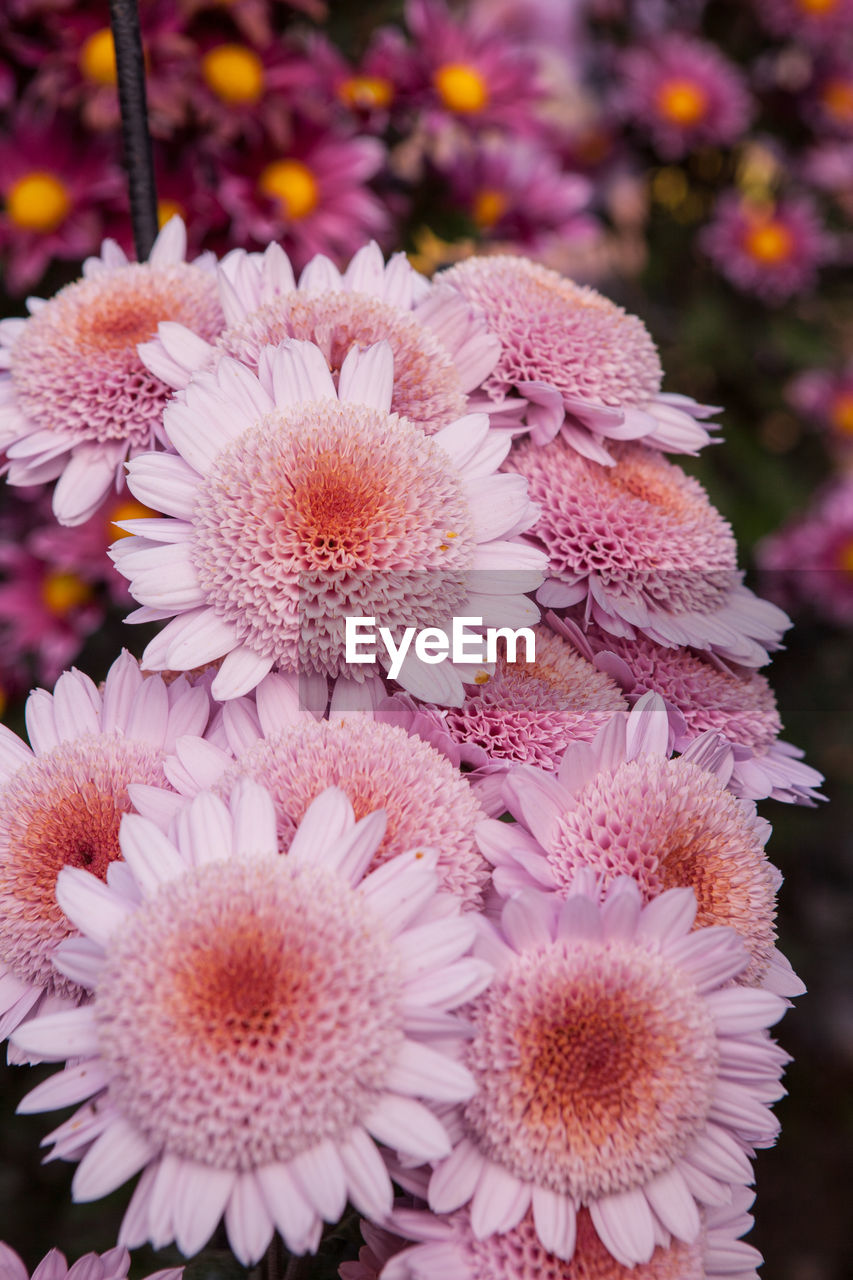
(617, 1070)
(245, 90)
(773, 251)
(810, 560)
(818, 23)
(825, 396)
(640, 543)
(307, 503)
(621, 806)
(112, 1265)
(448, 1247)
(703, 695)
(527, 713)
(440, 344)
(684, 94)
(255, 1022)
(77, 401)
(61, 803)
(312, 196)
(573, 362)
(376, 765)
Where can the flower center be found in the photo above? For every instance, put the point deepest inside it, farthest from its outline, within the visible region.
(682, 101)
(461, 88)
(293, 185)
(234, 73)
(817, 8)
(366, 93)
(97, 61)
(845, 557)
(167, 209)
(127, 510)
(38, 202)
(837, 97)
(841, 412)
(61, 592)
(490, 205)
(595, 1065)
(769, 242)
(238, 1027)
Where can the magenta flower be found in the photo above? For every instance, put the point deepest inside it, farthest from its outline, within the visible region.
(45, 613)
(820, 24)
(825, 399)
(311, 196)
(771, 250)
(809, 562)
(684, 94)
(370, 90)
(247, 91)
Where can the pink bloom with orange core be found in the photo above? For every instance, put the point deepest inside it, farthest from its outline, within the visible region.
(640, 546)
(824, 397)
(684, 94)
(76, 401)
(61, 802)
(112, 1265)
(311, 196)
(771, 250)
(638, 1127)
(370, 90)
(622, 806)
(572, 363)
(257, 1023)
(240, 90)
(55, 195)
(809, 562)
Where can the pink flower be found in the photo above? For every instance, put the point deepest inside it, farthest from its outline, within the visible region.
(771, 250)
(684, 94)
(825, 398)
(257, 1023)
(240, 90)
(809, 562)
(818, 23)
(312, 195)
(112, 1265)
(637, 1127)
(46, 613)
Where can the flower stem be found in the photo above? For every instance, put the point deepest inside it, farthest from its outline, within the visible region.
(138, 159)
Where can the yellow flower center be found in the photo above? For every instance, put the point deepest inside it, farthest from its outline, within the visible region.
(682, 101)
(837, 97)
(38, 202)
(167, 209)
(97, 61)
(841, 413)
(293, 185)
(127, 510)
(770, 242)
(817, 7)
(461, 88)
(490, 205)
(234, 73)
(366, 92)
(62, 592)
(845, 557)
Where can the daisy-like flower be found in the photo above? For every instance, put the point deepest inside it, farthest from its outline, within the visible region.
(369, 90)
(239, 89)
(826, 397)
(112, 1265)
(297, 503)
(620, 806)
(76, 400)
(641, 546)
(701, 695)
(617, 1070)
(312, 196)
(809, 562)
(818, 23)
(441, 346)
(684, 94)
(526, 713)
(255, 1022)
(573, 362)
(61, 802)
(832, 98)
(771, 250)
(448, 1246)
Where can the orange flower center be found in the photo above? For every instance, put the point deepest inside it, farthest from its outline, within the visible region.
(845, 557)
(837, 97)
(769, 241)
(127, 510)
(490, 205)
(97, 61)
(293, 185)
(61, 592)
(167, 209)
(38, 202)
(461, 88)
(817, 8)
(366, 92)
(234, 73)
(841, 413)
(682, 101)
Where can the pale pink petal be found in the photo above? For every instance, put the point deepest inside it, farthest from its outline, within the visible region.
(326, 820)
(556, 1222)
(421, 1072)
(367, 377)
(241, 671)
(452, 1183)
(674, 1204)
(64, 1088)
(367, 1178)
(500, 1201)
(407, 1126)
(625, 1226)
(90, 904)
(320, 1176)
(290, 1211)
(119, 1153)
(247, 1220)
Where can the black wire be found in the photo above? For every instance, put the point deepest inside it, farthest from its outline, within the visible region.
(138, 158)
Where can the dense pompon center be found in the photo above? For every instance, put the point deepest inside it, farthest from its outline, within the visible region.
(325, 510)
(427, 802)
(75, 366)
(553, 330)
(427, 387)
(595, 1064)
(248, 1012)
(61, 810)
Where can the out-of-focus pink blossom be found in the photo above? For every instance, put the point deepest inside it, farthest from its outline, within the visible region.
(809, 562)
(773, 250)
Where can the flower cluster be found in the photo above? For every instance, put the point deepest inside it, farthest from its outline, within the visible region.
(255, 896)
